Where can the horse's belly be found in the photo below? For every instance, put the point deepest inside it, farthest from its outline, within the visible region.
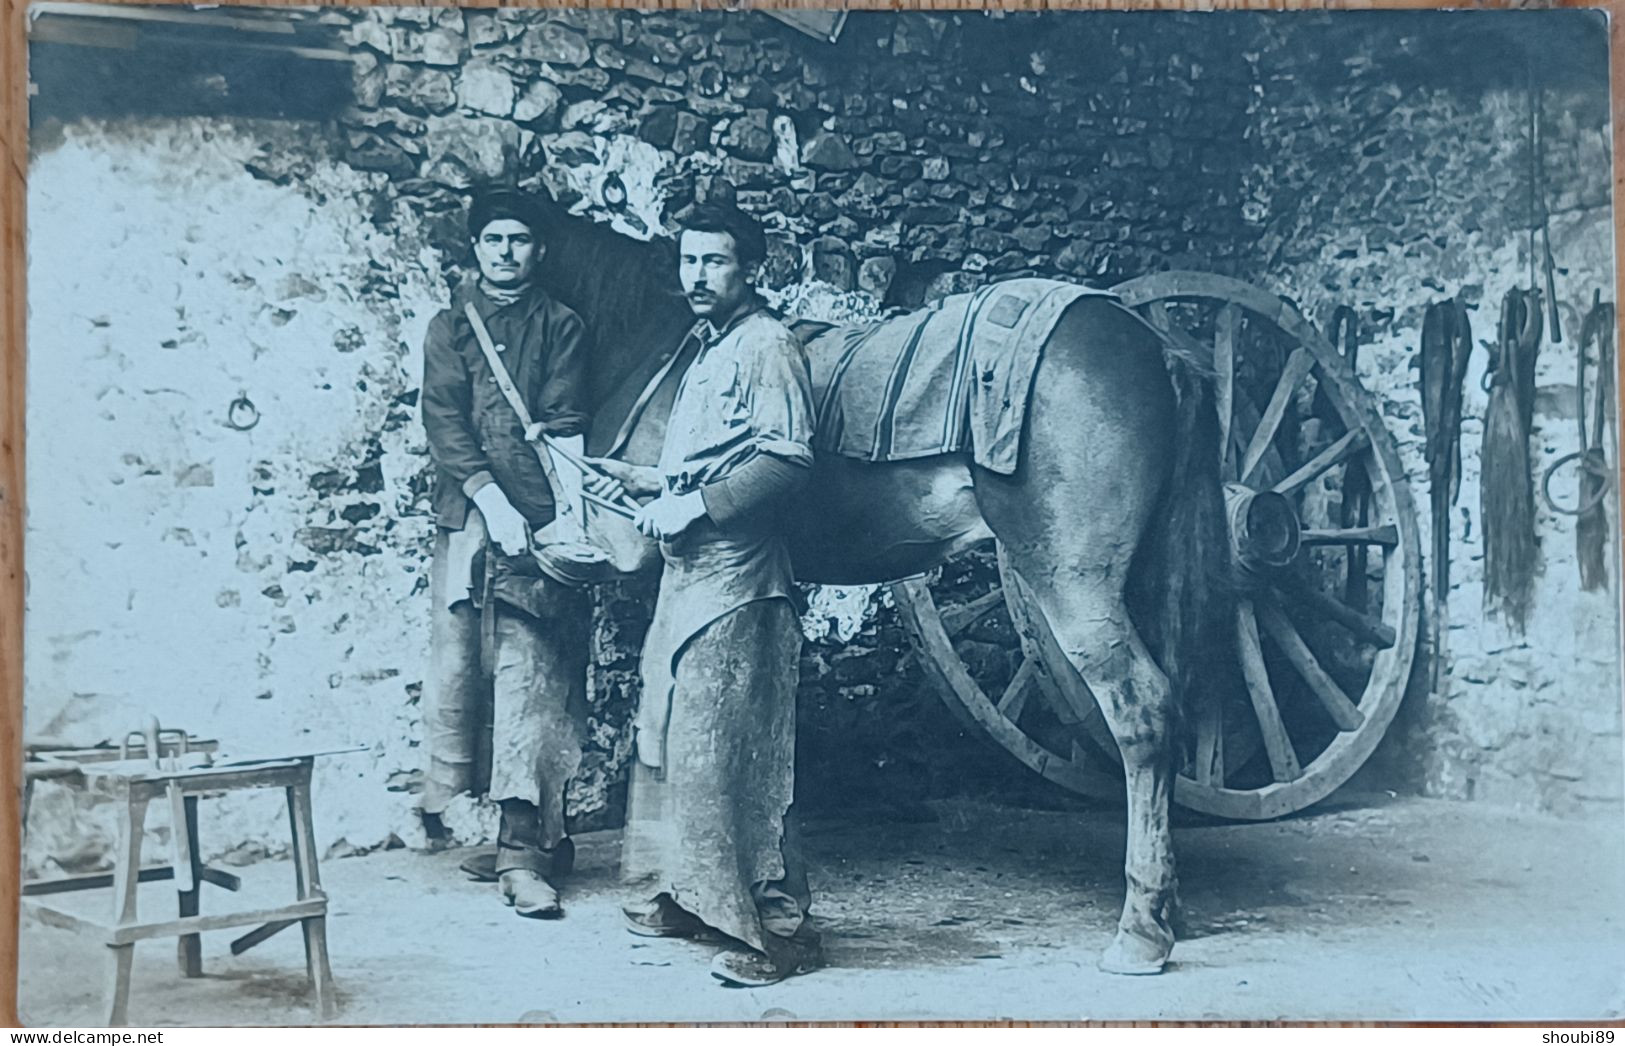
(859, 522)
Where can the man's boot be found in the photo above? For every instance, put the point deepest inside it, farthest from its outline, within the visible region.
(530, 894)
(522, 866)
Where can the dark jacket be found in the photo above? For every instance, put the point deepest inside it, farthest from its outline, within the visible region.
(475, 437)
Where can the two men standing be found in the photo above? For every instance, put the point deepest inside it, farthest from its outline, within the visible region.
(708, 841)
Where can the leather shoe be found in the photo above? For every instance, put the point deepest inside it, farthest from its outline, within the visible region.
(749, 968)
(663, 917)
(530, 895)
(480, 866)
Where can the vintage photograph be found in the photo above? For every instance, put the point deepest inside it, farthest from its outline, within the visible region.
(579, 515)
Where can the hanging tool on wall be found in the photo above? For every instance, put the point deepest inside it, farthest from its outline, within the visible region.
(1538, 214)
(1356, 482)
(1591, 530)
(1447, 346)
(1596, 478)
(1507, 497)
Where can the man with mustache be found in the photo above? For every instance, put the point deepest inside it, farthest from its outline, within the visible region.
(706, 836)
(506, 692)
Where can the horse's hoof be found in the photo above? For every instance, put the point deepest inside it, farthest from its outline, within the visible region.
(1133, 956)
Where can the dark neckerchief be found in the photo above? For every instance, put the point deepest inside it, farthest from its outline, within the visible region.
(502, 297)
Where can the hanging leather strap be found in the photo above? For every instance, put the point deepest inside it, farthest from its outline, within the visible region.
(1597, 331)
(1596, 478)
(510, 392)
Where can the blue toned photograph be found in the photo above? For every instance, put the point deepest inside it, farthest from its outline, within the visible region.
(571, 515)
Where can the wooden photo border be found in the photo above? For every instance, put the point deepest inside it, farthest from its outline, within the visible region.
(13, 353)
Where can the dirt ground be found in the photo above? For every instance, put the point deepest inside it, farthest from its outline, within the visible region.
(1366, 909)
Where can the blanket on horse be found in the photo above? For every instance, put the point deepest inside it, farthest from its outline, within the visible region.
(953, 375)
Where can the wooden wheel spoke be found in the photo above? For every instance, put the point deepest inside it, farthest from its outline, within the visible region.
(1209, 767)
(1365, 626)
(1283, 760)
(1387, 536)
(956, 620)
(1298, 366)
(1013, 701)
(1349, 444)
(1226, 329)
(1323, 686)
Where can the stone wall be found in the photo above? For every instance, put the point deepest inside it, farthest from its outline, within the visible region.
(917, 155)
(1430, 199)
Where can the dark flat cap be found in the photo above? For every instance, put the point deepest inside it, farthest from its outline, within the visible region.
(506, 205)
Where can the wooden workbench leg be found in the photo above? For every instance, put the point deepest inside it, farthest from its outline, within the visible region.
(132, 818)
(308, 879)
(189, 948)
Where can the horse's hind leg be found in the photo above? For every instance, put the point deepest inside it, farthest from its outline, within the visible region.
(1137, 701)
(1091, 625)
(1094, 459)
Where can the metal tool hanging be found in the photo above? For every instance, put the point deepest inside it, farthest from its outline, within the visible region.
(1447, 345)
(1356, 511)
(1596, 477)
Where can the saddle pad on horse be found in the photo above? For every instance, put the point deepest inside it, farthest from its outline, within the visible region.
(954, 374)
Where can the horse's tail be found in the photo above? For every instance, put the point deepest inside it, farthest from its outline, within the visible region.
(1187, 606)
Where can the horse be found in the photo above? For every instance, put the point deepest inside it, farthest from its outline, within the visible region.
(1113, 517)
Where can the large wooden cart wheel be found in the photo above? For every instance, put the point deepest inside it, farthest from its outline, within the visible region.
(1323, 536)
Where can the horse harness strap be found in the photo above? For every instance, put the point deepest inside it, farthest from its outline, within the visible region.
(510, 392)
(1596, 478)
(1598, 328)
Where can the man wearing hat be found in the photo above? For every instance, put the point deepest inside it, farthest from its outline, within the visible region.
(506, 693)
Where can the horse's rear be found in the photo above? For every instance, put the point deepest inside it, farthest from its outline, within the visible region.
(1093, 507)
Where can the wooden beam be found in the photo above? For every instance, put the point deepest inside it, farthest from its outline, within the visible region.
(308, 909)
(176, 15)
(91, 881)
(822, 25)
(62, 920)
(126, 31)
(260, 935)
(221, 878)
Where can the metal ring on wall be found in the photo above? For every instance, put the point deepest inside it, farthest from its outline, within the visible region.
(1585, 506)
(242, 415)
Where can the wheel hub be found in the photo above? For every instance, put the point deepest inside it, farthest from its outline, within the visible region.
(1265, 534)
